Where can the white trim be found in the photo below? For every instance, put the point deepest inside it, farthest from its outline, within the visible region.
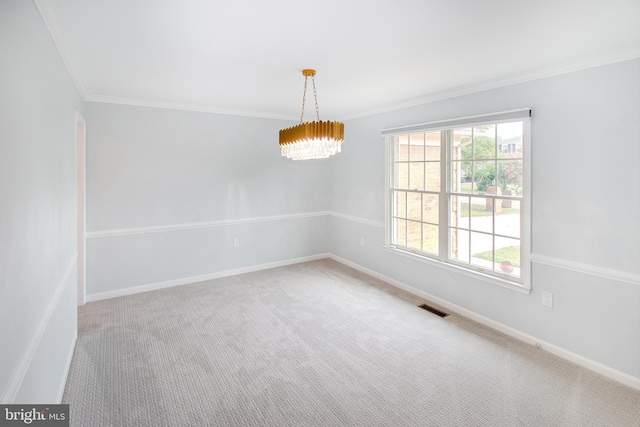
(526, 212)
(13, 386)
(607, 371)
(81, 204)
(607, 273)
(201, 278)
(67, 366)
(49, 14)
(357, 219)
(600, 368)
(388, 194)
(195, 225)
(184, 107)
(555, 70)
(499, 117)
(228, 222)
(494, 280)
(448, 126)
(593, 270)
(541, 73)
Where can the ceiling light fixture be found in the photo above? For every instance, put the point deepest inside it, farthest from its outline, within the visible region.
(311, 140)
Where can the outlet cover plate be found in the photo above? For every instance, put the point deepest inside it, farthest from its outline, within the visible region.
(547, 299)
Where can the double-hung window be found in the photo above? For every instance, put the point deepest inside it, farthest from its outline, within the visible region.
(459, 194)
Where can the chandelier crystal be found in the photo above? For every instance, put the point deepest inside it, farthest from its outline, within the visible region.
(311, 140)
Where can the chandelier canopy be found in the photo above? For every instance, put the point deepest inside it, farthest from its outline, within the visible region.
(311, 140)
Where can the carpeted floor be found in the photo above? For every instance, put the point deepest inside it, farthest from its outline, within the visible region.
(318, 344)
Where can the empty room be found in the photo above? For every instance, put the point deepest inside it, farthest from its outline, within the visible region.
(356, 213)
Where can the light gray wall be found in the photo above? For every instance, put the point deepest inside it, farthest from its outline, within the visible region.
(173, 170)
(585, 209)
(149, 167)
(38, 293)
(170, 169)
(154, 167)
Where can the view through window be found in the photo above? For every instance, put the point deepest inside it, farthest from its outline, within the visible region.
(457, 195)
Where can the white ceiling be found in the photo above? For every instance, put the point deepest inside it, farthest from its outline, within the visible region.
(246, 56)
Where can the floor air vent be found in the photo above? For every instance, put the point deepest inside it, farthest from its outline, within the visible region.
(433, 310)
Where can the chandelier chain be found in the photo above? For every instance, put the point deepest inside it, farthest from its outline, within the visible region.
(315, 97)
(304, 98)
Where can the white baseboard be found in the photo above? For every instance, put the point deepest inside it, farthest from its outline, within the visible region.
(17, 378)
(604, 370)
(195, 279)
(601, 369)
(67, 366)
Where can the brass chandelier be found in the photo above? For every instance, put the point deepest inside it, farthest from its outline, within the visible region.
(311, 140)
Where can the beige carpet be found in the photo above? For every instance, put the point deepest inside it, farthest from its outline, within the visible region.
(318, 344)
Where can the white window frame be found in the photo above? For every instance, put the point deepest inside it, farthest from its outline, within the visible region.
(521, 284)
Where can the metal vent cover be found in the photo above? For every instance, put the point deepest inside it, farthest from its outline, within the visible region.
(433, 310)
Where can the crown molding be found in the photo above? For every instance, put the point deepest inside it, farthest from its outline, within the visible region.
(540, 73)
(185, 107)
(49, 14)
(51, 19)
(513, 79)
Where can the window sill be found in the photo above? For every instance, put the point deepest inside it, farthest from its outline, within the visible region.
(522, 288)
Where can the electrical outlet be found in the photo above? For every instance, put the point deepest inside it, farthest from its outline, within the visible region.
(547, 299)
(236, 243)
(362, 242)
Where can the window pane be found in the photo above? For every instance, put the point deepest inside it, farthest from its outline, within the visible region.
(430, 208)
(484, 142)
(507, 217)
(433, 176)
(416, 147)
(461, 177)
(484, 173)
(401, 178)
(432, 142)
(400, 232)
(414, 206)
(481, 213)
(459, 245)
(459, 212)
(462, 149)
(484, 185)
(400, 204)
(414, 235)
(508, 256)
(482, 250)
(510, 176)
(510, 139)
(416, 176)
(476, 207)
(430, 238)
(401, 148)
